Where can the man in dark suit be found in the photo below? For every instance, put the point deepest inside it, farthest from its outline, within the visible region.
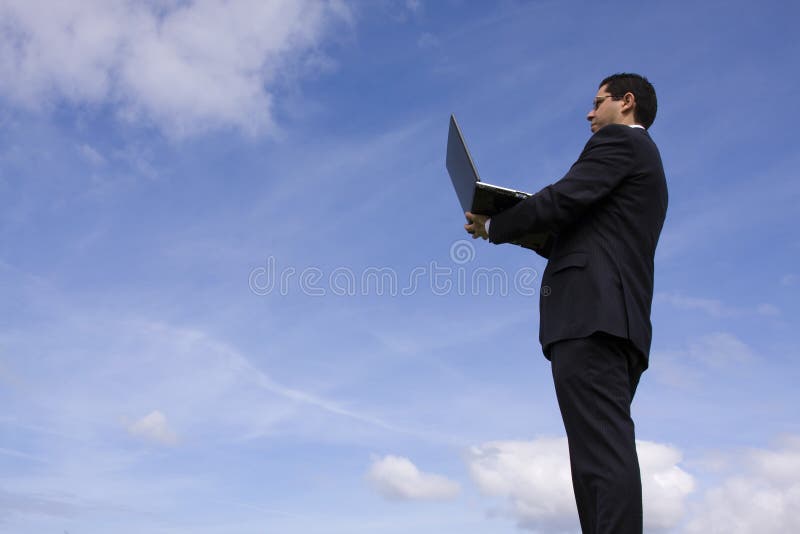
(603, 218)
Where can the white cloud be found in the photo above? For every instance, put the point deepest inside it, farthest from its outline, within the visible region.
(396, 477)
(154, 427)
(184, 66)
(535, 477)
(665, 486)
(763, 498)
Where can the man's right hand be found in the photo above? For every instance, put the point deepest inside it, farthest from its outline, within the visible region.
(476, 225)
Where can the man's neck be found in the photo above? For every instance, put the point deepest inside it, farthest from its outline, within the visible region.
(627, 120)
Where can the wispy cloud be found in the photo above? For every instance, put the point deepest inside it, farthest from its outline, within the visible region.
(683, 367)
(34, 504)
(19, 454)
(91, 154)
(713, 307)
(719, 349)
(768, 310)
(222, 380)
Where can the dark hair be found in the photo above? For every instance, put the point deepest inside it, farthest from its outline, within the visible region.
(643, 91)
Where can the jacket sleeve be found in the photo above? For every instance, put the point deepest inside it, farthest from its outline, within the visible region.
(606, 159)
(546, 248)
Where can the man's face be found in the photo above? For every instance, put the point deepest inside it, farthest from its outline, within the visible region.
(605, 110)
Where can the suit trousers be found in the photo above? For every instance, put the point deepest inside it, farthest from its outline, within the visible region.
(595, 379)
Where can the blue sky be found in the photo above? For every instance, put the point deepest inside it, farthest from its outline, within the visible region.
(165, 165)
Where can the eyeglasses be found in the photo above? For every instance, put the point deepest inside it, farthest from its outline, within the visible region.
(600, 99)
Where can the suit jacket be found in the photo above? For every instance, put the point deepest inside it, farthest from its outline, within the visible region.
(604, 216)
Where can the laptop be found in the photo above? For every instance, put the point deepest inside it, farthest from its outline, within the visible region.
(476, 196)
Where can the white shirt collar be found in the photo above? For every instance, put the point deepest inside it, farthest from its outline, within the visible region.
(637, 126)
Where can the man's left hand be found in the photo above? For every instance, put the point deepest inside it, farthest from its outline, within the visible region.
(476, 225)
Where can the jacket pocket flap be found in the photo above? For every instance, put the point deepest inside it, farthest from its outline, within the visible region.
(574, 259)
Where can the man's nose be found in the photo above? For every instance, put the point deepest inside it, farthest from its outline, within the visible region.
(590, 115)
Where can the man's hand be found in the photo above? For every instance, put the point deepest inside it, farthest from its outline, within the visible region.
(476, 225)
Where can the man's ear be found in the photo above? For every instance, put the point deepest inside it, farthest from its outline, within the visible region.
(628, 102)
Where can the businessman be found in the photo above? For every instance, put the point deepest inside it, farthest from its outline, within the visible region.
(603, 218)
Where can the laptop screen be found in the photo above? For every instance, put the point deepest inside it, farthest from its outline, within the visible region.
(460, 166)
